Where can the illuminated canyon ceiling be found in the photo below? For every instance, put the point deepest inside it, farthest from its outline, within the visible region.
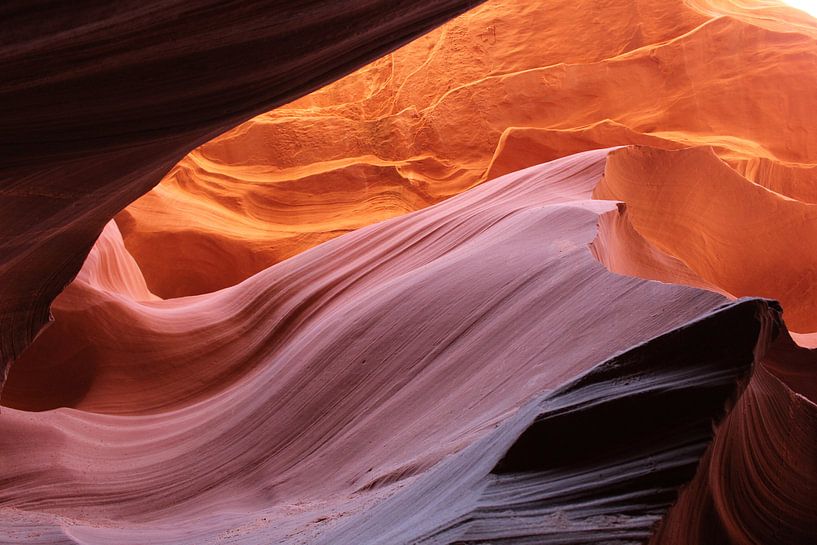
(387, 272)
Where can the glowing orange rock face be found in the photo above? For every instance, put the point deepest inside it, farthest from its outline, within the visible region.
(467, 372)
(506, 86)
(735, 234)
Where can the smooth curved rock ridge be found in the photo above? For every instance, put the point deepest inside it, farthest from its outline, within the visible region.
(450, 332)
(534, 480)
(114, 353)
(623, 250)
(530, 82)
(111, 269)
(99, 101)
(733, 233)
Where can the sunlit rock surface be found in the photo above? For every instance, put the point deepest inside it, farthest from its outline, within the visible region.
(543, 275)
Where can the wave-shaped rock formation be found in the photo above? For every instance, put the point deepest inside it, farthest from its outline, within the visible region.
(432, 387)
(427, 303)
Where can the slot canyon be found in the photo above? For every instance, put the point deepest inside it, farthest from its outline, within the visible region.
(408, 271)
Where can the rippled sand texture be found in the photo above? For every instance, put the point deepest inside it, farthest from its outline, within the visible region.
(543, 275)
